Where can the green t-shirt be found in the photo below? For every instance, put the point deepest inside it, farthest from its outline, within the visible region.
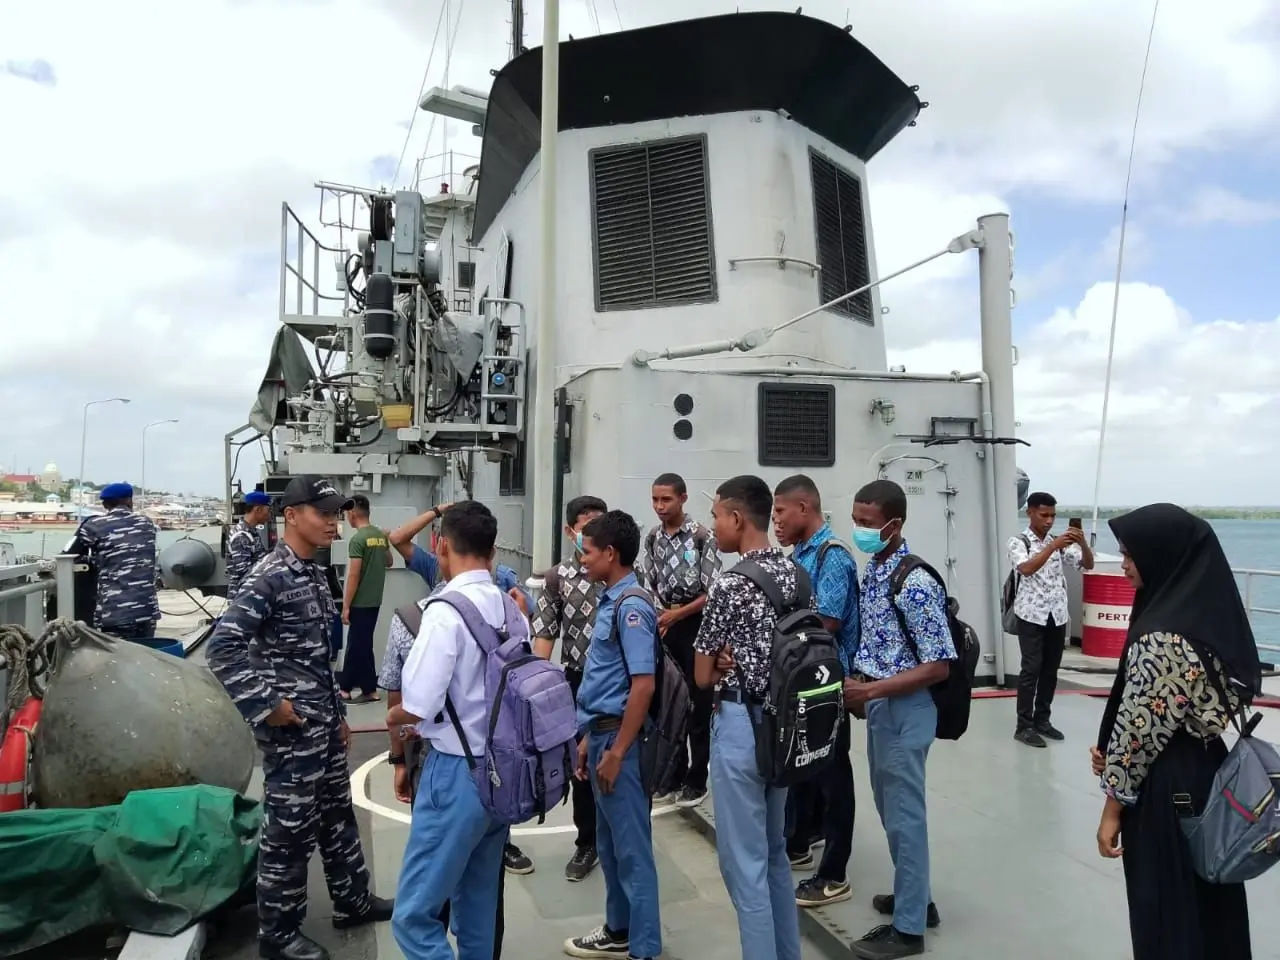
(369, 545)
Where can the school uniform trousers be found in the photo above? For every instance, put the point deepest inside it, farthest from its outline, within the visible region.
(825, 807)
(692, 768)
(417, 752)
(1042, 646)
(358, 669)
(752, 818)
(583, 797)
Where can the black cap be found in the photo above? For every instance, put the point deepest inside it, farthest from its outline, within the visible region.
(317, 491)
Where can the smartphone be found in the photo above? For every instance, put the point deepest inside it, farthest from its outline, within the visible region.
(1076, 522)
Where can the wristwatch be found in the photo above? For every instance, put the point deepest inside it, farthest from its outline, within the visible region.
(395, 760)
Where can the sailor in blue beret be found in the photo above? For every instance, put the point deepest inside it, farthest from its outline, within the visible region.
(256, 498)
(122, 546)
(116, 491)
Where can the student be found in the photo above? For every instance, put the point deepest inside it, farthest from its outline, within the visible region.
(368, 559)
(1041, 608)
(678, 561)
(734, 653)
(613, 705)
(892, 676)
(454, 850)
(825, 804)
(567, 612)
(425, 565)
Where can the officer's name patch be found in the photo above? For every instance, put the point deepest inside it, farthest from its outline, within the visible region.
(300, 593)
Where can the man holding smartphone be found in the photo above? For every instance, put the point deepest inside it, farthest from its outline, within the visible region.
(1040, 605)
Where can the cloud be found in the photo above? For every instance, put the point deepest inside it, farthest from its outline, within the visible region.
(1213, 204)
(139, 226)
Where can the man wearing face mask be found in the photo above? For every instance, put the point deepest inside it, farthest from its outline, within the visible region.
(245, 546)
(270, 650)
(566, 612)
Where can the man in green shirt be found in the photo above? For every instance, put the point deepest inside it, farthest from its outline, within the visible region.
(368, 558)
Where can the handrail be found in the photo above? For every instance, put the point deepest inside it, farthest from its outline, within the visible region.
(1246, 593)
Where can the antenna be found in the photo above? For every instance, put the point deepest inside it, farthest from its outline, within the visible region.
(1115, 299)
(517, 27)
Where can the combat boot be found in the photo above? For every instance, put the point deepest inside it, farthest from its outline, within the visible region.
(298, 948)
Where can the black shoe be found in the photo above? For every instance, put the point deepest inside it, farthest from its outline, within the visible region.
(816, 892)
(1049, 731)
(514, 860)
(600, 942)
(1029, 737)
(888, 943)
(883, 905)
(581, 864)
(378, 911)
(689, 796)
(299, 948)
(800, 860)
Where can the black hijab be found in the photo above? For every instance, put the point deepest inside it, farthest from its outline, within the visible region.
(1188, 589)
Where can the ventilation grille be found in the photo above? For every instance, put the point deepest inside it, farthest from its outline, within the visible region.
(652, 225)
(841, 235)
(797, 425)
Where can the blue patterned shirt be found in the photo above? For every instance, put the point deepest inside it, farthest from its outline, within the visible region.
(884, 651)
(835, 585)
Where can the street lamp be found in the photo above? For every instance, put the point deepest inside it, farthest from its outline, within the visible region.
(142, 481)
(84, 434)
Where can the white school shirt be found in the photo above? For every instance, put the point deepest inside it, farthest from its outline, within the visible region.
(446, 659)
(1044, 593)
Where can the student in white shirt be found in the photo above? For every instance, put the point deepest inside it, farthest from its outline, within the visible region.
(454, 851)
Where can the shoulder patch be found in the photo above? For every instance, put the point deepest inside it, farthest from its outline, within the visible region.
(633, 618)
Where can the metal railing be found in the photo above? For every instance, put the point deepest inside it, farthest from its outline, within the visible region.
(24, 604)
(296, 241)
(1248, 592)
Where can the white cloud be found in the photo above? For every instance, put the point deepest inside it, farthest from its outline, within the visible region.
(139, 219)
(1212, 204)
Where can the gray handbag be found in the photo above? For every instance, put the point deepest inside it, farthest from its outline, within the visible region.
(1237, 836)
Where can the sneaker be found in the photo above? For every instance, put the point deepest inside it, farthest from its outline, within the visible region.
(663, 799)
(1029, 737)
(514, 860)
(802, 860)
(886, 942)
(581, 864)
(1049, 731)
(816, 892)
(883, 904)
(689, 796)
(600, 942)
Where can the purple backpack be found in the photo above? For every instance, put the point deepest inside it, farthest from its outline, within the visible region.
(531, 744)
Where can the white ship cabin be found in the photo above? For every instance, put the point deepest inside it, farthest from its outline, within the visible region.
(712, 185)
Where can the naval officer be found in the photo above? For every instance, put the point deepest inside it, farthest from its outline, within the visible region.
(122, 545)
(270, 650)
(245, 546)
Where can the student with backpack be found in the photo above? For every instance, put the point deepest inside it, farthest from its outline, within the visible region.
(736, 655)
(490, 710)
(613, 710)
(906, 649)
(823, 807)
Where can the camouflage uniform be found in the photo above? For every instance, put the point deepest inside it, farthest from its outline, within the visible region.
(245, 547)
(272, 643)
(123, 547)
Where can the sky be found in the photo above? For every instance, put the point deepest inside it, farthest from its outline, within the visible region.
(144, 168)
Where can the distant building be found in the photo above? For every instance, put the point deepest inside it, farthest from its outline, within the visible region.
(23, 481)
(51, 479)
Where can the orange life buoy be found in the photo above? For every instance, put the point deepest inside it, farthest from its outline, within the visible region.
(15, 755)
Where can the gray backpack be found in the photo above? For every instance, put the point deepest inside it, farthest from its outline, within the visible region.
(1237, 836)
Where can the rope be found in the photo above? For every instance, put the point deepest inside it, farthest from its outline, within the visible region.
(28, 660)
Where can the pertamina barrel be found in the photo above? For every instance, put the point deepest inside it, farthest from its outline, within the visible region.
(1108, 598)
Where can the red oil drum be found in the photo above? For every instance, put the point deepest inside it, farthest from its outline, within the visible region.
(1108, 598)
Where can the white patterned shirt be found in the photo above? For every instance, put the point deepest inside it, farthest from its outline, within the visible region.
(1044, 593)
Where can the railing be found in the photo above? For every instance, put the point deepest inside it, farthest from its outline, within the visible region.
(24, 604)
(1249, 590)
(296, 241)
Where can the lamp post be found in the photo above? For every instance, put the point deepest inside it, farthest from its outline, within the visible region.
(84, 435)
(142, 480)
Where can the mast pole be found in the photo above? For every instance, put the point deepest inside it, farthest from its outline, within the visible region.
(544, 520)
(517, 27)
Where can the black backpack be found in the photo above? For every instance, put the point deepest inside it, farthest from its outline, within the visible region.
(804, 708)
(952, 695)
(663, 737)
(1010, 593)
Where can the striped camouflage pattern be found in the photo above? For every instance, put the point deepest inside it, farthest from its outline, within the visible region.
(245, 547)
(123, 548)
(272, 642)
(306, 803)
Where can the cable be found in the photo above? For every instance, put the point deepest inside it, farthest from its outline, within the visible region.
(618, 15)
(1115, 299)
(431, 55)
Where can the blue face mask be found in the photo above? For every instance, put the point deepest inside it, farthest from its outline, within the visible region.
(577, 541)
(868, 540)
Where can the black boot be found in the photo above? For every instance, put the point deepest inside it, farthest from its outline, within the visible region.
(378, 911)
(299, 948)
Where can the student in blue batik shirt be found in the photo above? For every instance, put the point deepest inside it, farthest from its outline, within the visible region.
(613, 706)
(424, 564)
(892, 676)
(822, 808)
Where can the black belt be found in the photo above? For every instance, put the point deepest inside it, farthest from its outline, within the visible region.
(605, 724)
(734, 695)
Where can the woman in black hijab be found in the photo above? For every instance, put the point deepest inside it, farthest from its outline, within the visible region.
(1160, 742)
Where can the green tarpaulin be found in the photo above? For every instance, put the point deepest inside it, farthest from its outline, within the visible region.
(159, 861)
